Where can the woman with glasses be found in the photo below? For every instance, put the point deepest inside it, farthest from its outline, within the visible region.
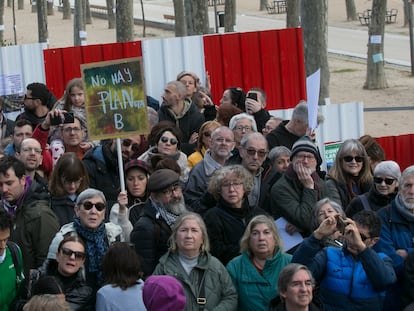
(350, 174)
(203, 142)
(167, 142)
(69, 178)
(68, 270)
(382, 192)
(255, 272)
(89, 224)
(227, 221)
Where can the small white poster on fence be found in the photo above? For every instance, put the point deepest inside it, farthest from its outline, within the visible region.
(11, 84)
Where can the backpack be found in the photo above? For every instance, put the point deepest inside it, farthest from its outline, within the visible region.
(17, 262)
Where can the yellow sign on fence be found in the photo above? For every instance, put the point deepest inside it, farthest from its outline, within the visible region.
(115, 98)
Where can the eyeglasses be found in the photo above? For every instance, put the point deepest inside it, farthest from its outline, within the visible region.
(173, 141)
(302, 157)
(26, 97)
(235, 184)
(71, 129)
(363, 237)
(88, 206)
(351, 158)
(252, 152)
(172, 189)
(32, 150)
(223, 140)
(241, 128)
(128, 142)
(207, 134)
(68, 253)
(388, 181)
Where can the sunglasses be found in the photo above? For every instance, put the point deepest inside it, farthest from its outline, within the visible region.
(27, 97)
(68, 253)
(128, 142)
(88, 206)
(388, 181)
(351, 158)
(252, 152)
(173, 141)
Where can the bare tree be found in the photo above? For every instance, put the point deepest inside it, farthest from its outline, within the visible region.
(67, 11)
(229, 15)
(88, 14)
(78, 24)
(1, 22)
(375, 61)
(143, 18)
(200, 17)
(293, 14)
(20, 4)
(111, 14)
(180, 24)
(42, 21)
(351, 14)
(124, 20)
(49, 8)
(263, 4)
(315, 32)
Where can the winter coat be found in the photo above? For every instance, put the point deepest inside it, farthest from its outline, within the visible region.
(347, 282)
(340, 193)
(376, 201)
(225, 226)
(219, 291)
(256, 290)
(35, 226)
(280, 136)
(64, 208)
(102, 167)
(289, 199)
(189, 122)
(150, 236)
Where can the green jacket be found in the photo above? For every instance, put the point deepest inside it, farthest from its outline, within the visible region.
(218, 288)
(9, 287)
(35, 226)
(256, 290)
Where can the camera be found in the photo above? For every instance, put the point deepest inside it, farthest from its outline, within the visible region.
(252, 95)
(67, 118)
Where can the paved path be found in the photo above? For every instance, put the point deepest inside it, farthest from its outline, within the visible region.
(345, 41)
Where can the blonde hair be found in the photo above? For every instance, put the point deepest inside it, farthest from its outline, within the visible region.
(46, 302)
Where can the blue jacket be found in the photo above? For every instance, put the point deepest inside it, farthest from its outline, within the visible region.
(256, 290)
(347, 283)
(396, 233)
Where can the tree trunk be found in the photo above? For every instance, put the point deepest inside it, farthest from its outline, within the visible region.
(406, 4)
(180, 27)
(375, 63)
(42, 20)
(263, 4)
(200, 17)
(9, 3)
(20, 4)
(124, 20)
(293, 14)
(229, 15)
(315, 33)
(188, 13)
(143, 18)
(79, 33)
(351, 14)
(67, 14)
(88, 15)
(2, 22)
(111, 14)
(49, 7)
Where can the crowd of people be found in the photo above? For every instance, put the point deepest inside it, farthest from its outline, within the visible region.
(196, 227)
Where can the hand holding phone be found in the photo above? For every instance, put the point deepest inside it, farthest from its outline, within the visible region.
(340, 224)
(64, 118)
(252, 95)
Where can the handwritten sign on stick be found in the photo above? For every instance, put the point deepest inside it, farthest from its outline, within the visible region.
(115, 98)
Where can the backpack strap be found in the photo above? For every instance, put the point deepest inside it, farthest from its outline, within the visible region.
(365, 202)
(17, 262)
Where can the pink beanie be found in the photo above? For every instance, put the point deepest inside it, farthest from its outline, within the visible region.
(163, 293)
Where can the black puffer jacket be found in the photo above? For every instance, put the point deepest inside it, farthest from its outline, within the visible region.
(64, 209)
(150, 236)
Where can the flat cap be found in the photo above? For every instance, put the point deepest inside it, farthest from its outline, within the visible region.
(161, 179)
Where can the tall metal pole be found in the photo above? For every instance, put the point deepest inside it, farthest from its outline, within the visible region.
(410, 25)
(14, 25)
(215, 16)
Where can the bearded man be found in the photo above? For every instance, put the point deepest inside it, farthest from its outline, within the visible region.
(153, 229)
